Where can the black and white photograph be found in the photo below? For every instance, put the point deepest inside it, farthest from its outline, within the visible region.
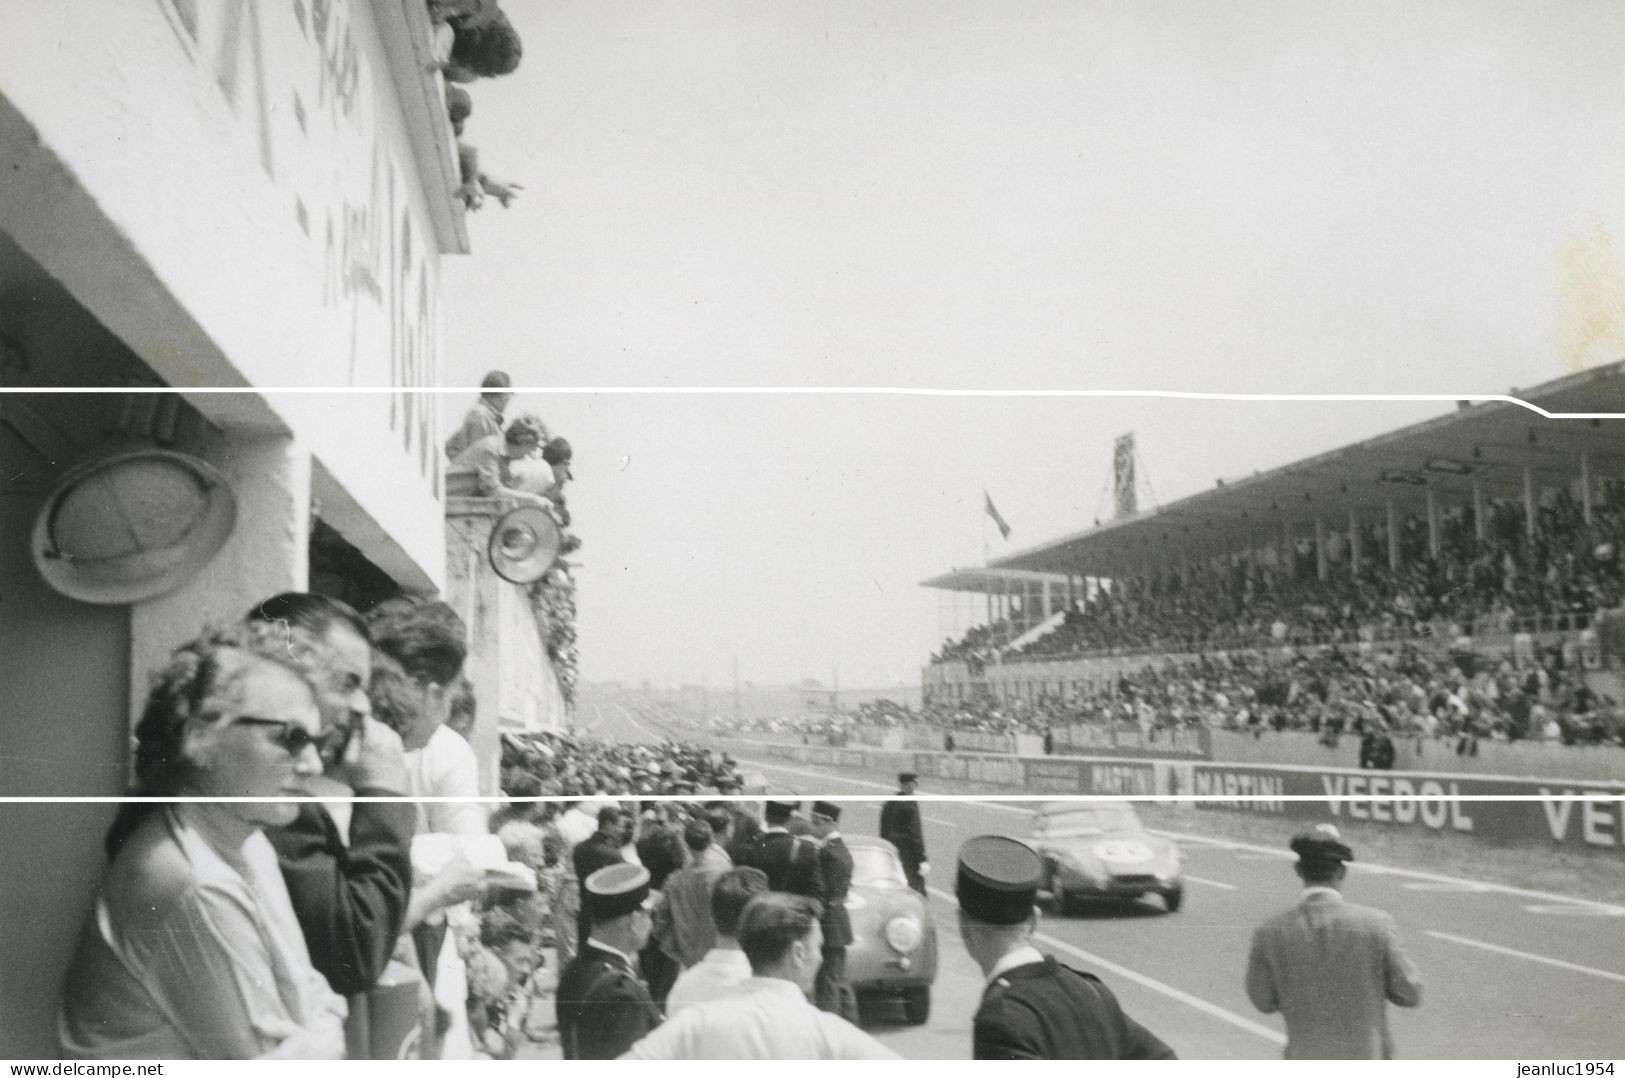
(548, 531)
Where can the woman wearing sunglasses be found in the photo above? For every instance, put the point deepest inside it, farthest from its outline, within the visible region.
(192, 950)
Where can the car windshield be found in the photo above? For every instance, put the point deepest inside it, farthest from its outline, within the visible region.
(1087, 820)
(875, 867)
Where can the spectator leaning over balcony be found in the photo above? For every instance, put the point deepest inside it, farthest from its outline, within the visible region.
(485, 51)
(485, 469)
(485, 418)
(193, 950)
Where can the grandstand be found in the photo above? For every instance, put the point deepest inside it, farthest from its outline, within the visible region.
(1491, 531)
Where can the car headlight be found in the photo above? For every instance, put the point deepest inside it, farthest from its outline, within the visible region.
(904, 934)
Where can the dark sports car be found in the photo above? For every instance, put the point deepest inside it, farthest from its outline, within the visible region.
(894, 944)
(1100, 849)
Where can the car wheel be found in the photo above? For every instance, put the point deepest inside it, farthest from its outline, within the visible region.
(1174, 899)
(917, 1004)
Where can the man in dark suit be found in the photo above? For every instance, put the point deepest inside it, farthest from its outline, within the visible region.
(1330, 967)
(600, 849)
(1033, 1007)
(830, 990)
(603, 1009)
(900, 826)
(790, 862)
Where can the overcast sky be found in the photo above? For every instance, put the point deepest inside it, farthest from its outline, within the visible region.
(1257, 197)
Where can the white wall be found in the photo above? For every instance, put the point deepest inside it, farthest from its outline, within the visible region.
(237, 196)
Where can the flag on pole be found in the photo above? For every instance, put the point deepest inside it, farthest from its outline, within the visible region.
(1004, 529)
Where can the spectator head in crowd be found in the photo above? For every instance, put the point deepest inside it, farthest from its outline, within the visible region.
(339, 636)
(429, 641)
(398, 702)
(697, 837)
(495, 392)
(661, 849)
(523, 436)
(459, 106)
(733, 891)
(558, 455)
(513, 942)
(484, 52)
(233, 714)
(612, 821)
(721, 822)
(781, 936)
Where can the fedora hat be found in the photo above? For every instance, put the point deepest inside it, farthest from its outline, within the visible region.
(132, 527)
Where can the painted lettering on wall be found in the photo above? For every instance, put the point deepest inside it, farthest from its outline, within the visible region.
(1394, 799)
(1598, 820)
(296, 74)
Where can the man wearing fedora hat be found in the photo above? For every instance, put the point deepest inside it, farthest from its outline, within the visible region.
(900, 826)
(1330, 967)
(1032, 1006)
(830, 990)
(603, 1008)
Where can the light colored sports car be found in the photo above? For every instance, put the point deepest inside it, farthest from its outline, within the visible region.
(894, 942)
(1100, 849)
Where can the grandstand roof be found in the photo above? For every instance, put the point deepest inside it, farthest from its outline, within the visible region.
(1491, 442)
(985, 579)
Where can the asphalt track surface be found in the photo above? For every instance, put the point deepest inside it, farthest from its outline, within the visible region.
(1507, 974)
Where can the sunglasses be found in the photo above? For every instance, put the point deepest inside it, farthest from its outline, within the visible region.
(293, 738)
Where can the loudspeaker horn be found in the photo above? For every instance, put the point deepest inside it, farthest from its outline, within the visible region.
(524, 544)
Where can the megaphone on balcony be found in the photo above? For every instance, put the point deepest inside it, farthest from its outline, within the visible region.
(524, 544)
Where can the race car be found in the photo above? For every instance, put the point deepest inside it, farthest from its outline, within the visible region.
(894, 942)
(1100, 849)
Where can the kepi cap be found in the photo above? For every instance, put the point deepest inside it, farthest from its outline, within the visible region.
(780, 810)
(998, 879)
(616, 891)
(827, 810)
(907, 776)
(1321, 843)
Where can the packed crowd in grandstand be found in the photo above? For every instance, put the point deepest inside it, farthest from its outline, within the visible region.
(1568, 571)
(1326, 690)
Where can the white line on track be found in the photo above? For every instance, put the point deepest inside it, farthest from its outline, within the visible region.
(1208, 882)
(1601, 908)
(938, 819)
(1542, 959)
(1152, 983)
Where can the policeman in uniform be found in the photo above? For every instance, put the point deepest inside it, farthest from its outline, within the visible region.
(900, 826)
(830, 990)
(603, 1009)
(598, 850)
(1033, 1007)
(790, 862)
(1330, 967)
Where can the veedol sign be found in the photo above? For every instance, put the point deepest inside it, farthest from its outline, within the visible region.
(1582, 817)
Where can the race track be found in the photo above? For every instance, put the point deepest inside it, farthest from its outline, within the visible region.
(1508, 974)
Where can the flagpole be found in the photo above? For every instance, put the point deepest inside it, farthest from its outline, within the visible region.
(986, 557)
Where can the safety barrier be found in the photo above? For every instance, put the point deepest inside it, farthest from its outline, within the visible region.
(1587, 817)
